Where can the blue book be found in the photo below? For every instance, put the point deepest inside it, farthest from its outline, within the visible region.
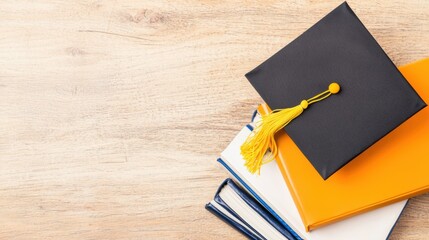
(225, 216)
(240, 210)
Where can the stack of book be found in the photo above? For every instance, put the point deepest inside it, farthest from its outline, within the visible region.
(346, 167)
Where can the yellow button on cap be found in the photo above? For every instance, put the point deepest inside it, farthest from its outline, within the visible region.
(304, 104)
(334, 88)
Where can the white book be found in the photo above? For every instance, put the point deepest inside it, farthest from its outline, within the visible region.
(272, 192)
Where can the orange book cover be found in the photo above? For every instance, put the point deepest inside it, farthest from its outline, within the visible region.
(393, 169)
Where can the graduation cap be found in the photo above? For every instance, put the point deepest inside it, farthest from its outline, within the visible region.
(335, 56)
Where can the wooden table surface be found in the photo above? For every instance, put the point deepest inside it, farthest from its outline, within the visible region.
(112, 113)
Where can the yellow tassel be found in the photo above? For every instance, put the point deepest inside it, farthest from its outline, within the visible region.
(254, 149)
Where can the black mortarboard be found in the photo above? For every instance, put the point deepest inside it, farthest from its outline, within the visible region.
(374, 99)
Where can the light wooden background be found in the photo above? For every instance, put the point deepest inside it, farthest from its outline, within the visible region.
(112, 113)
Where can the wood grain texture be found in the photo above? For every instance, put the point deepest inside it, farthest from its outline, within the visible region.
(112, 113)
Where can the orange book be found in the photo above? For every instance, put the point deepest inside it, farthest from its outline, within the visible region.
(395, 168)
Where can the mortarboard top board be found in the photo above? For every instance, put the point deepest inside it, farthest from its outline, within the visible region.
(375, 98)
